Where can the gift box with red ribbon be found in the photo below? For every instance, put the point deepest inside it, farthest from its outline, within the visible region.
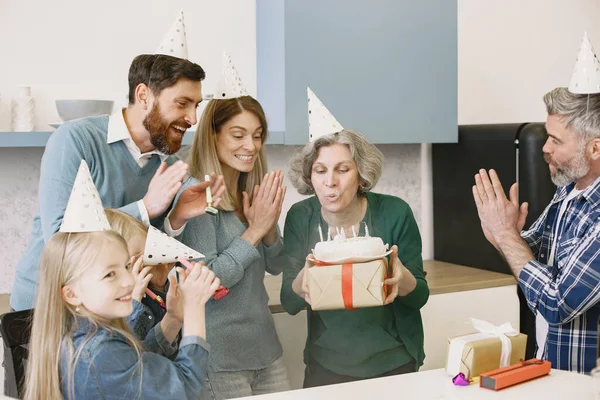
(347, 286)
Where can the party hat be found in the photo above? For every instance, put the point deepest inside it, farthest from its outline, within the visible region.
(586, 74)
(174, 42)
(163, 249)
(230, 84)
(320, 121)
(84, 212)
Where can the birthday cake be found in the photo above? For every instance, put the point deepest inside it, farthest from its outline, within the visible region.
(341, 248)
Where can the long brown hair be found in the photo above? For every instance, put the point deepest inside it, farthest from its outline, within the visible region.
(203, 158)
(65, 258)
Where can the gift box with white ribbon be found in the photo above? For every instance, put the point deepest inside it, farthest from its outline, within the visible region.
(492, 347)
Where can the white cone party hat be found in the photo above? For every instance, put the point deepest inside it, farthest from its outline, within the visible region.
(320, 121)
(163, 249)
(84, 212)
(230, 84)
(586, 74)
(174, 43)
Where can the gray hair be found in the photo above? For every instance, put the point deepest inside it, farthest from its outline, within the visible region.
(367, 157)
(579, 112)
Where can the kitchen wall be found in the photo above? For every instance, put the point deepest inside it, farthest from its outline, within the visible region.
(68, 49)
(510, 53)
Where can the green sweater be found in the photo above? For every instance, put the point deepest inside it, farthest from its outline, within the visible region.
(370, 341)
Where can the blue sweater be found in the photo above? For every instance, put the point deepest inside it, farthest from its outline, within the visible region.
(119, 179)
(239, 327)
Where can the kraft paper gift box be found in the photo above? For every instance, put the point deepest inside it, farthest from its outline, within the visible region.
(491, 348)
(349, 286)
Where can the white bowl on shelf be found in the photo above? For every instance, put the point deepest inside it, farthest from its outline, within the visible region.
(69, 109)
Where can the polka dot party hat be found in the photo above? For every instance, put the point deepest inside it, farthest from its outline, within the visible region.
(174, 42)
(230, 84)
(84, 212)
(320, 121)
(163, 249)
(586, 74)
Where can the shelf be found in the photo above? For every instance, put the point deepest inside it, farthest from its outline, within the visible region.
(24, 139)
(39, 139)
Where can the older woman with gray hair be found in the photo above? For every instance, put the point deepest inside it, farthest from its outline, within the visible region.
(340, 169)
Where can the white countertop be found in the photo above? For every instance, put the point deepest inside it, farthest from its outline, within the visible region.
(435, 385)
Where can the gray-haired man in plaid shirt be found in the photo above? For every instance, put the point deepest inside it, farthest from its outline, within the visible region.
(557, 261)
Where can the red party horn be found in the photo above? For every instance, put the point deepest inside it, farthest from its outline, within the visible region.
(221, 292)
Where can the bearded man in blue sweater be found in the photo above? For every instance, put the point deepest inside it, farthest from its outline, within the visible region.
(130, 156)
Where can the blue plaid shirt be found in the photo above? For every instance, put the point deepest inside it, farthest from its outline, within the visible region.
(567, 294)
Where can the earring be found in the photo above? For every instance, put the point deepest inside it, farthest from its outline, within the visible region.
(77, 309)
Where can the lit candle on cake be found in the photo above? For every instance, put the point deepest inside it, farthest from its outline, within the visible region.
(320, 233)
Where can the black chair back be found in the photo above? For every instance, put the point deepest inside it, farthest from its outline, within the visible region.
(15, 328)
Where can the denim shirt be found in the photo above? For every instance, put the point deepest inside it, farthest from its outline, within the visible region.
(109, 368)
(147, 315)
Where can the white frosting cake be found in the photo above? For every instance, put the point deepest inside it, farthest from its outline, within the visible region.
(339, 248)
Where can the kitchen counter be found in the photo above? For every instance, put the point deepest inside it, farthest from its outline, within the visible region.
(435, 385)
(442, 278)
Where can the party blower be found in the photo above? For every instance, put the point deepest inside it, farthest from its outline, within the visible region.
(221, 292)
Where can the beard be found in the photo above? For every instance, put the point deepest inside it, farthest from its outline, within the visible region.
(159, 128)
(570, 171)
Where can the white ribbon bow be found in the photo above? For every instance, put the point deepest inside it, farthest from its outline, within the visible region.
(500, 331)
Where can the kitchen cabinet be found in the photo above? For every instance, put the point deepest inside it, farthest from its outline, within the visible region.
(387, 68)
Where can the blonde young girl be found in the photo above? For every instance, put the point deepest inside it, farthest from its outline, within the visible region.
(80, 345)
(158, 309)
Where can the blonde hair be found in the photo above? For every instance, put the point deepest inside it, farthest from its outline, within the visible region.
(126, 225)
(203, 158)
(366, 156)
(65, 258)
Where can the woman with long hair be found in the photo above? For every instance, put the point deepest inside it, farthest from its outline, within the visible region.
(240, 243)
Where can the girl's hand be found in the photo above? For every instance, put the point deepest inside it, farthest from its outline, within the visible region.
(175, 300)
(197, 285)
(142, 277)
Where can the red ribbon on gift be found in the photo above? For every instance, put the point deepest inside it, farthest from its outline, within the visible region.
(347, 286)
(347, 281)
